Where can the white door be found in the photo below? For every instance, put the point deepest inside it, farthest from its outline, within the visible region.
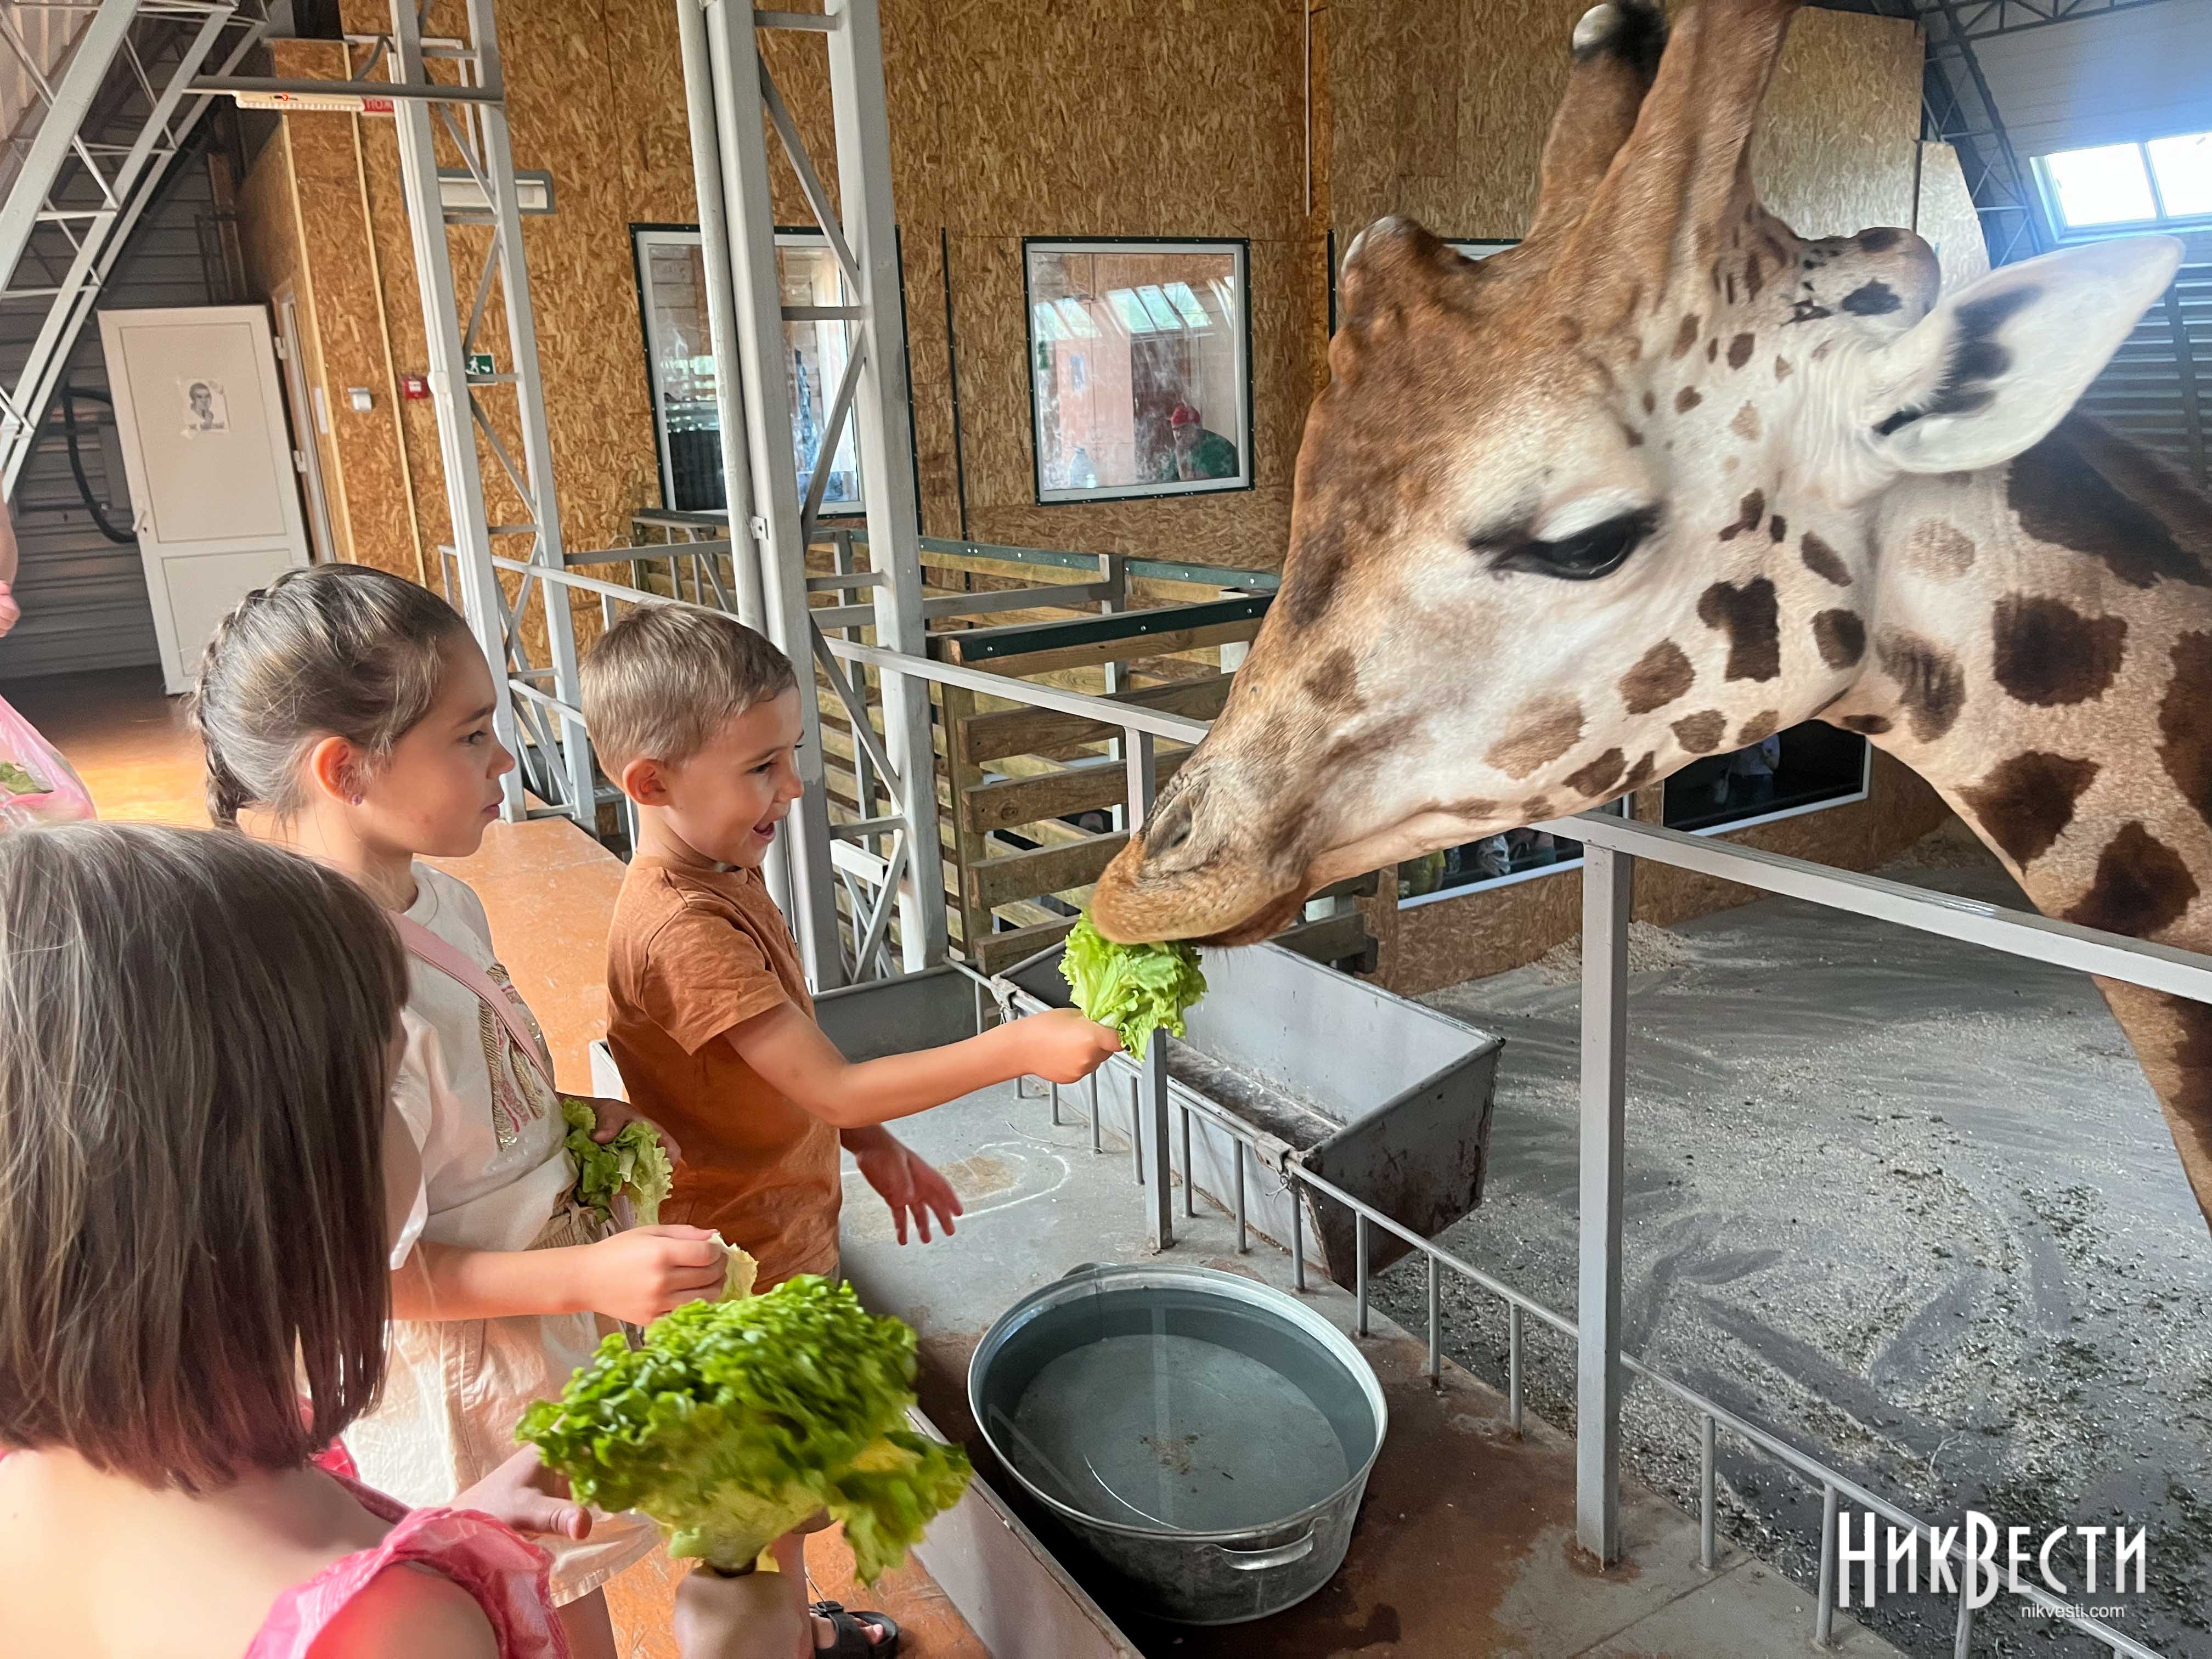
(210, 464)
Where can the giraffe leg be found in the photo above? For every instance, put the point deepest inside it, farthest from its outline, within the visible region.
(2173, 1038)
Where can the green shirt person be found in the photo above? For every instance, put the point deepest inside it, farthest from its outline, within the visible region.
(1198, 453)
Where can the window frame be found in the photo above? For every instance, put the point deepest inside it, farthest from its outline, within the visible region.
(1863, 792)
(1240, 340)
(643, 236)
(1618, 806)
(2054, 211)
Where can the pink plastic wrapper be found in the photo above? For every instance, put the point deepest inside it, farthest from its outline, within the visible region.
(37, 785)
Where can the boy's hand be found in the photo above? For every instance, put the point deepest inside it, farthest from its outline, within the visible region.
(613, 1113)
(639, 1275)
(525, 1495)
(908, 1184)
(1062, 1046)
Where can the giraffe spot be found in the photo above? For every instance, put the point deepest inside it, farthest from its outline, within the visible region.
(1651, 403)
(1778, 528)
(1740, 350)
(1749, 512)
(1475, 811)
(2061, 499)
(1754, 278)
(1872, 299)
(2049, 654)
(1686, 399)
(1760, 727)
(1823, 561)
(1536, 808)
(1701, 733)
(1540, 731)
(2024, 804)
(1746, 424)
(1640, 774)
(1313, 570)
(1630, 436)
(1841, 637)
(1749, 616)
(1867, 725)
(1879, 240)
(1930, 683)
(1782, 370)
(2140, 887)
(1333, 681)
(2184, 722)
(1731, 287)
(1686, 336)
(1661, 675)
(1729, 463)
(1600, 775)
(1939, 552)
(1713, 349)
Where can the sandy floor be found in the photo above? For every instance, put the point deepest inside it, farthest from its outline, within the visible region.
(1908, 1203)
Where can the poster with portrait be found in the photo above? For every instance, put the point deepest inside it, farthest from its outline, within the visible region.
(205, 408)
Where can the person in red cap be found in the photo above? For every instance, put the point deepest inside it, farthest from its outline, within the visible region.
(1200, 453)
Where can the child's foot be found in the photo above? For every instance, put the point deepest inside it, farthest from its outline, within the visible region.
(852, 1635)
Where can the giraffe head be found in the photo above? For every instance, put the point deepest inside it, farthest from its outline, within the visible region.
(1569, 517)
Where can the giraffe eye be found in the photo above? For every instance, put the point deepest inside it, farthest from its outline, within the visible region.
(1588, 554)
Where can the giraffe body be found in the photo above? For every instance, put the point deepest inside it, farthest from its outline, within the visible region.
(1668, 478)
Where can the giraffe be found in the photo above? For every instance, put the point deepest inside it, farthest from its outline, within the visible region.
(1666, 478)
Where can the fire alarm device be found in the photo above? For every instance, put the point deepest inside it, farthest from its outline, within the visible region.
(358, 400)
(414, 387)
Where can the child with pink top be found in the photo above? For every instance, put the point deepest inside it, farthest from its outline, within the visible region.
(197, 1038)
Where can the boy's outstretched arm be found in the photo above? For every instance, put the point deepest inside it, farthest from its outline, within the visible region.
(788, 1049)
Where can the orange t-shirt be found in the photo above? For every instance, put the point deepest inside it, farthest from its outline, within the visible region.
(692, 954)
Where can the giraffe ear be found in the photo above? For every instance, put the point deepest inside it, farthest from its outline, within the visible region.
(1995, 367)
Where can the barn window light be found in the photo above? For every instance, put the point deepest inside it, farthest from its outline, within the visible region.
(2111, 188)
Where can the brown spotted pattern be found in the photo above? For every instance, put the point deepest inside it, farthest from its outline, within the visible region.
(2025, 803)
(1600, 775)
(2141, 886)
(1823, 561)
(1939, 551)
(1539, 732)
(1750, 512)
(1686, 399)
(1747, 613)
(1746, 424)
(2184, 722)
(1760, 727)
(1840, 636)
(1740, 350)
(1701, 733)
(2049, 654)
(1661, 675)
(1930, 682)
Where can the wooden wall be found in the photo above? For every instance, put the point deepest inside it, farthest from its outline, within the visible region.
(1279, 121)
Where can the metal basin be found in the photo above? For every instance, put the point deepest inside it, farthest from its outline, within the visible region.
(1205, 1437)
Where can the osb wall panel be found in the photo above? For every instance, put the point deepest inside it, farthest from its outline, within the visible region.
(1945, 216)
(1441, 944)
(1441, 112)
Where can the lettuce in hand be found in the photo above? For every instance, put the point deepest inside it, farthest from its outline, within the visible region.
(633, 1165)
(738, 1421)
(1135, 988)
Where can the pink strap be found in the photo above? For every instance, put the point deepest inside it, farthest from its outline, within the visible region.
(428, 948)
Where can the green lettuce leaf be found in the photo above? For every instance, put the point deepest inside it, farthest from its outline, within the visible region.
(736, 1421)
(1137, 989)
(634, 1164)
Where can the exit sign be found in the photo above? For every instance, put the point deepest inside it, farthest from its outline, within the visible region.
(480, 363)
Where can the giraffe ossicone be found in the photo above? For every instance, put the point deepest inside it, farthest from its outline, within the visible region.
(1666, 478)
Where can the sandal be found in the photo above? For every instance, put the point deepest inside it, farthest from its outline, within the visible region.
(852, 1641)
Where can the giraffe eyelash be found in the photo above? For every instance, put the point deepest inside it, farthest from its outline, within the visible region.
(1587, 555)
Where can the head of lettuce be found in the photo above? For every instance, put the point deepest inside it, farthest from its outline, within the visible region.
(1137, 989)
(737, 1421)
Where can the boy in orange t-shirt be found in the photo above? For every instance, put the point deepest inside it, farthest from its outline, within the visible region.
(696, 716)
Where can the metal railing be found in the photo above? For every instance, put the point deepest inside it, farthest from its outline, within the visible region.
(1611, 847)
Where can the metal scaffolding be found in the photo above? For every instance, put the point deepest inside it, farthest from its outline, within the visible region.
(122, 109)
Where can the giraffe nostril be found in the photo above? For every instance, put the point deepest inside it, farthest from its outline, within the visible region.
(1168, 831)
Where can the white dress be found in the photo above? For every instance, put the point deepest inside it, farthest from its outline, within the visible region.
(495, 1177)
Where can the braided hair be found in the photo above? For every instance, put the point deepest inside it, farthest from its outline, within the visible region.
(333, 650)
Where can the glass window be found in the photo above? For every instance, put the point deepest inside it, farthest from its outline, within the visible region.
(1805, 767)
(672, 290)
(2164, 181)
(2182, 167)
(1139, 369)
(1493, 861)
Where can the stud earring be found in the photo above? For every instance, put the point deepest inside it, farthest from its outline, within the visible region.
(355, 801)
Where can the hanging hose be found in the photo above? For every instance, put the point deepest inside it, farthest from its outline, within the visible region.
(69, 395)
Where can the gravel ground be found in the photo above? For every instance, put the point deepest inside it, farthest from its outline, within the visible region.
(1908, 1204)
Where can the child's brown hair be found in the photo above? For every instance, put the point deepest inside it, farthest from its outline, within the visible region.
(666, 678)
(335, 650)
(196, 1033)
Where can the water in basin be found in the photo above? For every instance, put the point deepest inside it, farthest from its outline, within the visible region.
(1155, 1409)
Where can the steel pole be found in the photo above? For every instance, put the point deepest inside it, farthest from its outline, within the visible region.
(1607, 887)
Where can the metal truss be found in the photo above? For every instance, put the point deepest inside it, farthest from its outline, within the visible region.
(122, 108)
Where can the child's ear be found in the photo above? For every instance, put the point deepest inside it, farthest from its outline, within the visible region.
(334, 769)
(1995, 367)
(645, 781)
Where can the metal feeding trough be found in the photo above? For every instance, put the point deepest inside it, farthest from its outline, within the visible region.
(1385, 1098)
